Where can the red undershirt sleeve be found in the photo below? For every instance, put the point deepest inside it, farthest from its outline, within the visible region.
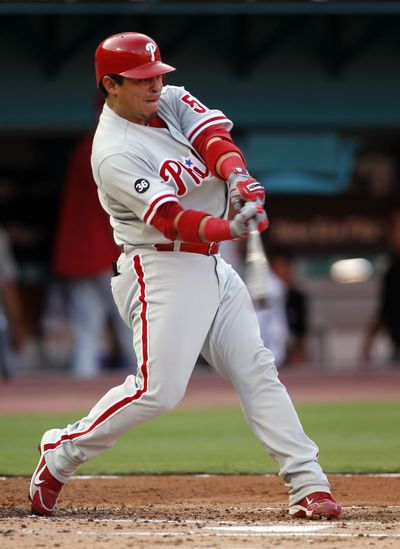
(188, 225)
(201, 140)
(213, 152)
(164, 218)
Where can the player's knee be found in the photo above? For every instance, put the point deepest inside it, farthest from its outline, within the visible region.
(169, 397)
(169, 402)
(264, 359)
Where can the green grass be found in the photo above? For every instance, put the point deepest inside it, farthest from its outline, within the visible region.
(352, 437)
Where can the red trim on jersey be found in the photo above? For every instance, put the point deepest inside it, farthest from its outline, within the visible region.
(144, 367)
(212, 120)
(157, 122)
(153, 206)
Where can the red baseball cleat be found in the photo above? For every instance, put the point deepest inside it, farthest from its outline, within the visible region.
(315, 506)
(44, 489)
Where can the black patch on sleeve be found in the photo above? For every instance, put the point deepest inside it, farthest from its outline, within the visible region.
(141, 185)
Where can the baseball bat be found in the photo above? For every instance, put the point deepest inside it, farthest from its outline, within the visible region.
(257, 265)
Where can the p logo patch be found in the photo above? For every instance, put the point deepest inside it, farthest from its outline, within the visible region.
(141, 185)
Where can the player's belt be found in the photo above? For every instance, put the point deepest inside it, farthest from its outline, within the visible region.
(200, 248)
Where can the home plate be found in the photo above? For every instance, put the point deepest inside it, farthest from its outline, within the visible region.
(268, 529)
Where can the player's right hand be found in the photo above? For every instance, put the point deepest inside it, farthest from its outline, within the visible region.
(251, 211)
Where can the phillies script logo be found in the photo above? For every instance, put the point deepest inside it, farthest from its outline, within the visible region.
(177, 172)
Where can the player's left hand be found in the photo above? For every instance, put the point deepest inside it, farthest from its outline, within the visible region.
(244, 188)
(252, 216)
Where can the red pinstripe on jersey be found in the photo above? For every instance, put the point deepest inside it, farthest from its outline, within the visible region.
(138, 267)
(205, 124)
(157, 201)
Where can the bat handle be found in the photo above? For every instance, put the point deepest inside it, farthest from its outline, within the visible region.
(252, 226)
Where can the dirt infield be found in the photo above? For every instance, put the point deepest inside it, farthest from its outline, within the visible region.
(198, 512)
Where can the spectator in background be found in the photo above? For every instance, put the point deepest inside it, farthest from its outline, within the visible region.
(272, 317)
(387, 317)
(84, 250)
(295, 306)
(12, 329)
(375, 172)
(282, 316)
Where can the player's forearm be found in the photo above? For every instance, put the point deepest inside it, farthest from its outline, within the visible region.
(227, 163)
(215, 146)
(190, 225)
(210, 229)
(197, 226)
(225, 160)
(226, 154)
(222, 157)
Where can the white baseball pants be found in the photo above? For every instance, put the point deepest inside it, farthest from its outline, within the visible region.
(181, 304)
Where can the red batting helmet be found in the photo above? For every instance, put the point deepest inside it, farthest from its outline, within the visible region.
(129, 54)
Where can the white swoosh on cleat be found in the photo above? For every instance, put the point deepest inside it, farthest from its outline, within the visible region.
(38, 480)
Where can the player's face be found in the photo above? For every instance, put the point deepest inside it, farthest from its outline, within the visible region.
(137, 100)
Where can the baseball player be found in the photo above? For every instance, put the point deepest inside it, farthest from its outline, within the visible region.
(167, 170)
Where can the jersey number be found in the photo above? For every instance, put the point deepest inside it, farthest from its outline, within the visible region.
(194, 103)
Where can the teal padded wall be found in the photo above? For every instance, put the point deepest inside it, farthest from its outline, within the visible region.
(288, 86)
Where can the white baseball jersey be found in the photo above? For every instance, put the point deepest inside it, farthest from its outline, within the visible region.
(143, 167)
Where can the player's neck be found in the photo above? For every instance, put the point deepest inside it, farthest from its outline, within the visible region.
(127, 115)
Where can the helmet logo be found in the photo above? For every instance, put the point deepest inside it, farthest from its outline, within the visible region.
(151, 48)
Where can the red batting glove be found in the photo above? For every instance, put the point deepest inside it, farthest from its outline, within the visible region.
(244, 188)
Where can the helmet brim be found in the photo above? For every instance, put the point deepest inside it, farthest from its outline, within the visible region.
(149, 70)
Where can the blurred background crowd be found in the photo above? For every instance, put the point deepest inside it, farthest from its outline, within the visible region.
(313, 89)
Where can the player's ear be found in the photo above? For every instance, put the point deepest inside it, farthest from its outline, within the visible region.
(110, 84)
